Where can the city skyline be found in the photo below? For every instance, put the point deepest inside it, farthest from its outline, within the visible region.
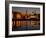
(25, 18)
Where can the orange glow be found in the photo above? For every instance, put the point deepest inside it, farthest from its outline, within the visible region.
(26, 16)
(18, 16)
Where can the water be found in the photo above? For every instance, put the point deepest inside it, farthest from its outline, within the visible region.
(25, 28)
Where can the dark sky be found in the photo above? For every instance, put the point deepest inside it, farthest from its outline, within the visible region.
(23, 9)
